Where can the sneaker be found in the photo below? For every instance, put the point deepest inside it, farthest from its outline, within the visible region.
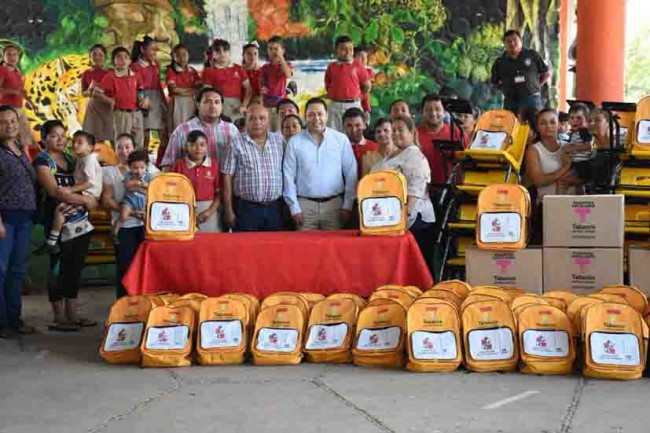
(53, 249)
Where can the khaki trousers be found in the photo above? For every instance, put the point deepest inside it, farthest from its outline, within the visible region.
(320, 216)
(129, 122)
(336, 111)
(231, 108)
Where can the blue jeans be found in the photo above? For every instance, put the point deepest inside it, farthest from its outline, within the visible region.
(15, 250)
(253, 217)
(129, 241)
(514, 105)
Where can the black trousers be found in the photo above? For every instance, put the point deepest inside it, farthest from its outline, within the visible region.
(66, 267)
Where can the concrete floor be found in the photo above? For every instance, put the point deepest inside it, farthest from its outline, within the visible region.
(54, 382)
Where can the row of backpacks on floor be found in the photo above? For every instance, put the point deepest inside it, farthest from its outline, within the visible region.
(485, 328)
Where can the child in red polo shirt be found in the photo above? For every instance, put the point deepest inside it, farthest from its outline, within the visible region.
(250, 62)
(204, 174)
(274, 79)
(98, 119)
(346, 81)
(228, 78)
(154, 107)
(120, 88)
(361, 56)
(12, 92)
(182, 82)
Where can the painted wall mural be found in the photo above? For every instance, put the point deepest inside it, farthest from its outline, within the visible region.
(416, 46)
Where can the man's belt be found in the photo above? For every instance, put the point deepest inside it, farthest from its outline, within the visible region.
(321, 199)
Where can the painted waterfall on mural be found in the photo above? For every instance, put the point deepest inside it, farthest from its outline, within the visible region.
(417, 46)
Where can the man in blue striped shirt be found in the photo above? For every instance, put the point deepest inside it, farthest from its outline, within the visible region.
(320, 173)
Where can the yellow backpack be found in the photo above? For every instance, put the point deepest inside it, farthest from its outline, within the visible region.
(434, 336)
(413, 291)
(444, 294)
(634, 296)
(380, 335)
(170, 208)
(331, 331)
(615, 342)
(528, 299)
(223, 332)
(278, 336)
(397, 294)
(497, 292)
(503, 211)
(168, 340)
(124, 329)
(312, 298)
(382, 203)
(167, 298)
(358, 300)
(288, 298)
(251, 303)
(489, 336)
(461, 288)
(546, 340)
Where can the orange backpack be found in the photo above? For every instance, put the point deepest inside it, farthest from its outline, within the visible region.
(434, 336)
(358, 300)
(278, 335)
(382, 203)
(444, 294)
(489, 336)
(381, 334)
(331, 331)
(461, 288)
(502, 219)
(288, 298)
(615, 342)
(124, 329)
(546, 340)
(251, 303)
(634, 296)
(169, 337)
(170, 208)
(397, 294)
(222, 332)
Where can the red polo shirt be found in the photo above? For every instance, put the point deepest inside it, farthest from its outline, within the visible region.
(92, 74)
(123, 89)
(361, 149)
(229, 81)
(205, 177)
(11, 79)
(365, 100)
(275, 82)
(255, 77)
(149, 73)
(343, 80)
(434, 155)
(184, 79)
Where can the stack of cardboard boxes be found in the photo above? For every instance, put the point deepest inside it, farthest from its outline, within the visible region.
(583, 242)
(639, 267)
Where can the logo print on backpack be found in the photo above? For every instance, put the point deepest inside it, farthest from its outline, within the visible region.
(322, 334)
(273, 339)
(121, 336)
(220, 334)
(609, 347)
(541, 341)
(374, 340)
(428, 344)
(376, 210)
(163, 337)
(486, 344)
(496, 226)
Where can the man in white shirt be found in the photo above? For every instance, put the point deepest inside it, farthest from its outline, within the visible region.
(320, 173)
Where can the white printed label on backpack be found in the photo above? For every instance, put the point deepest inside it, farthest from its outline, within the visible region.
(488, 140)
(623, 132)
(614, 349)
(170, 217)
(381, 211)
(500, 227)
(546, 343)
(219, 334)
(277, 340)
(491, 344)
(326, 336)
(379, 339)
(167, 338)
(643, 135)
(434, 345)
(123, 336)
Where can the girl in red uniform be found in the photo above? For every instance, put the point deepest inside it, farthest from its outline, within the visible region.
(12, 92)
(98, 120)
(143, 61)
(250, 62)
(182, 82)
(120, 89)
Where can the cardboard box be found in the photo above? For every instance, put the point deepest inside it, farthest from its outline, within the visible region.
(582, 270)
(579, 221)
(639, 267)
(521, 269)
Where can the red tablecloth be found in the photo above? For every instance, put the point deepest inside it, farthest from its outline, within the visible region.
(265, 263)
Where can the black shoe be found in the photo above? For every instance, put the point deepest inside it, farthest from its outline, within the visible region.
(53, 249)
(6, 333)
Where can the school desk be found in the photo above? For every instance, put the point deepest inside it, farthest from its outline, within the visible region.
(262, 263)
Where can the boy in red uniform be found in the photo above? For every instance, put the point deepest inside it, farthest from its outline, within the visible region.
(432, 129)
(121, 88)
(229, 78)
(346, 81)
(361, 56)
(12, 92)
(354, 123)
(275, 74)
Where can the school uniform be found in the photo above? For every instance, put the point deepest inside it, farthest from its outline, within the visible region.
(98, 119)
(182, 107)
(154, 117)
(229, 81)
(343, 84)
(13, 79)
(365, 100)
(255, 78)
(205, 178)
(276, 89)
(127, 117)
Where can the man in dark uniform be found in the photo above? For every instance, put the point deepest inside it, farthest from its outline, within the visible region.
(520, 74)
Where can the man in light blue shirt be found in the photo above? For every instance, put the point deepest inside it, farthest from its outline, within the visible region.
(320, 173)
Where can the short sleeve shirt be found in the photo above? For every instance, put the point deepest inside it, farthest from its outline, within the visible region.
(275, 82)
(205, 177)
(11, 79)
(123, 89)
(17, 181)
(519, 77)
(343, 80)
(64, 177)
(149, 74)
(183, 78)
(92, 74)
(228, 81)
